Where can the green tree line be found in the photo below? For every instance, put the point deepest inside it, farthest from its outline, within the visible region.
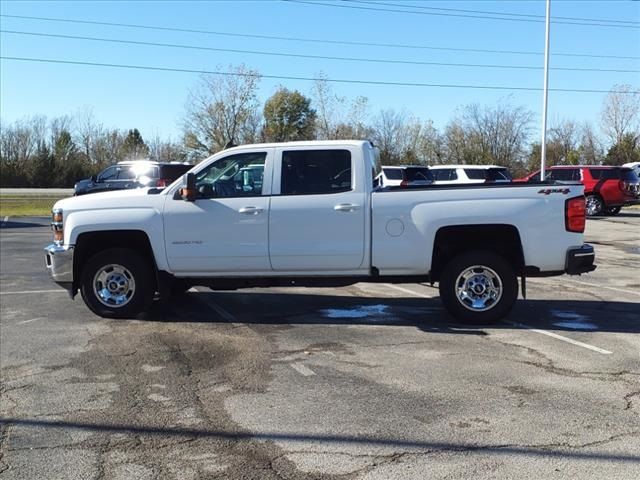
(219, 111)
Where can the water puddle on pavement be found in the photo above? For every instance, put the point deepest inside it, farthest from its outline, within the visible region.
(572, 320)
(359, 311)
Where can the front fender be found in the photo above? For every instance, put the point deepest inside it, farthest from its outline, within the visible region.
(147, 220)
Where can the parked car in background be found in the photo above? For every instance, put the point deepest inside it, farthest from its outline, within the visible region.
(606, 188)
(132, 174)
(406, 176)
(635, 166)
(451, 174)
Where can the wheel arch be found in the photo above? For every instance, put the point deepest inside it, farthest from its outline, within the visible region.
(90, 243)
(451, 241)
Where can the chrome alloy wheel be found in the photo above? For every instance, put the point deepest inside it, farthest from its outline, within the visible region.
(113, 285)
(593, 205)
(478, 288)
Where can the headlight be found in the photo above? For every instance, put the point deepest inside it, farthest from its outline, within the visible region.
(57, 225)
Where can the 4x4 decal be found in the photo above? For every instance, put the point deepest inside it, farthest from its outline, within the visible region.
(549, 191)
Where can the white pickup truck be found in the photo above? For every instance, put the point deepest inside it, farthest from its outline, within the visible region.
(314, 214)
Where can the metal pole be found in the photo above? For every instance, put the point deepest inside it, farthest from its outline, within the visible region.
(545, 94)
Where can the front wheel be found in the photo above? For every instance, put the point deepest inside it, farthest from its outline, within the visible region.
(117, 283)
(478, 287)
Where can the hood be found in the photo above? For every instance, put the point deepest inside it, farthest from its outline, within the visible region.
(83, 184)
(117, 199)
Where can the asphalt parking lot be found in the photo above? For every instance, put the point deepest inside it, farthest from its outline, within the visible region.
(371, 381)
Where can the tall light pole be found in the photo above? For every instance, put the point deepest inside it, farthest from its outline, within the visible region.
(545, 94)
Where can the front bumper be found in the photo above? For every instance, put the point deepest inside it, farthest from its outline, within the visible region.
(59, 262)
(580, 260)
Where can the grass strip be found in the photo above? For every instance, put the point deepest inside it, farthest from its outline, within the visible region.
(24, 206)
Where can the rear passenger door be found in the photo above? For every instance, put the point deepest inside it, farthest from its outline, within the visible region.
(317, 221)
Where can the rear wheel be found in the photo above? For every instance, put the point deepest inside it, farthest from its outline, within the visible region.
(595, 205)
(117, 283)
(612, 210)
(478, 287)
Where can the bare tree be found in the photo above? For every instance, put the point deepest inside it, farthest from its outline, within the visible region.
(621, 113)
(488, 135)
(336, 116)
(388, 133)
(326, 106)
(564, 134)
(20, 140)
(591, 151)
(222, 109)
(89, 133)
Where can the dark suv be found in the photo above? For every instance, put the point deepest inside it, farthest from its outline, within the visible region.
(132, 174)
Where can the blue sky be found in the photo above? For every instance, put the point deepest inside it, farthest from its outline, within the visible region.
(154, 101)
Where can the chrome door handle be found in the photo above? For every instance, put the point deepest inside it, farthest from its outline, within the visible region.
(346, 207)
(251, 210)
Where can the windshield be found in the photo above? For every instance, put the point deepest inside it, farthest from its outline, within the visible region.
(393, 173)
(499, 174)
(418, 174)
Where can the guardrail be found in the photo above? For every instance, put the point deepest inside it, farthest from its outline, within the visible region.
(36, 192)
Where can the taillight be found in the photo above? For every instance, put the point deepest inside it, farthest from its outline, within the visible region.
(575, 214)
(404, 183)
(161, 182)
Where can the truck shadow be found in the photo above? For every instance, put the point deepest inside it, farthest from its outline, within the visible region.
(426, 314)
(341, 440)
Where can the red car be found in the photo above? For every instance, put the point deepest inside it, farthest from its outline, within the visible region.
(607, 189)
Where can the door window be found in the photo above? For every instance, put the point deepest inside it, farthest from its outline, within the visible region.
(312, 172)
(445, 174)
(238, 175)
(565, 174)
(475, 173)
(393, 173)
(108, 174)
(605, 173)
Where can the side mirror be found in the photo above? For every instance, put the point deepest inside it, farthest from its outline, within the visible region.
(188, 192)
(94, 178)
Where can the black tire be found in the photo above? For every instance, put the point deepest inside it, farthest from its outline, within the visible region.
(594, 205)
(494, 270)
(134, 275)
(612, 210)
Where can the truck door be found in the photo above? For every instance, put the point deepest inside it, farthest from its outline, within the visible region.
(225, 231)
(317, 222)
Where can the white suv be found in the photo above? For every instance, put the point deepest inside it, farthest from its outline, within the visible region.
(450, 174)
(406, 176)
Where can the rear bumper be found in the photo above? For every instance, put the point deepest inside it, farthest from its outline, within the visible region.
(59, 262)
(580, 260)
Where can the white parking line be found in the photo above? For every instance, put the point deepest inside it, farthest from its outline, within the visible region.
(560, 337)
(578, 282)
(24, 292)
(536, 330)
(30, 320)
(302, 370)
(406, 290)
(604, 286)
(228, 317)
